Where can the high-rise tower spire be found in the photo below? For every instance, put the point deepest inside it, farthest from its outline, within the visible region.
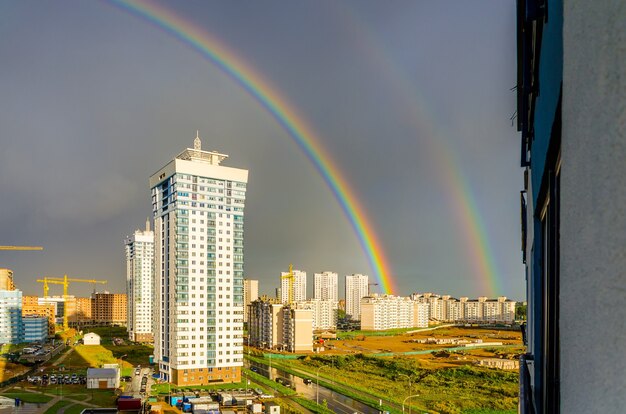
(197, 144)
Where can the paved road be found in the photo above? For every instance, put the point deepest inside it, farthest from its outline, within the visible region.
(338, 403)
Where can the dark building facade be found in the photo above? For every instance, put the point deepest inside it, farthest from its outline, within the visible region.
(572, 118)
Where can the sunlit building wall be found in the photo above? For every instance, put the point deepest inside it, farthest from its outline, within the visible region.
(198, 211)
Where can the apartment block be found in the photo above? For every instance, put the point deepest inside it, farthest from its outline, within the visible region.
(109, 308)
(32, 307)
(323, 313)
(297, 335)
(325, 286)
(274, 325)
(298, 287)
(35, 328)
(140, 284)
(381, 312)
(11, 327)
(250, 294)
(198, 216)
(265, 323)
(356, 288)
(6, 279)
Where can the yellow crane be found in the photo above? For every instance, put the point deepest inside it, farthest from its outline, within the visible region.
(290, 278)
(65, 281)
(14, 248)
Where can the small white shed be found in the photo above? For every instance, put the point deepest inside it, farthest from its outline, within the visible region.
(91, 339)
(103, 378)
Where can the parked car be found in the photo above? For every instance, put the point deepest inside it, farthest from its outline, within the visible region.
(307, 381)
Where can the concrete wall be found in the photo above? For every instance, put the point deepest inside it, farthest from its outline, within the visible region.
(593, 213)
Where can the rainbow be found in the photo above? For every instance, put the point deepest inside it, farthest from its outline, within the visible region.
(418, 114)
(284, 113)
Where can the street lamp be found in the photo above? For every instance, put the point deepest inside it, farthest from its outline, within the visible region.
(317, 389)
(409, 378)
(410, 396)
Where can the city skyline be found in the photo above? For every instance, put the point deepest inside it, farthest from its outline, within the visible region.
(424, 143)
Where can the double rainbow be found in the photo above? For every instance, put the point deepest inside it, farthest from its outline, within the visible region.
(284, 113)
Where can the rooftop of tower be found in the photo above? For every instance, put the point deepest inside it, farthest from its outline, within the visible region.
(198, 154)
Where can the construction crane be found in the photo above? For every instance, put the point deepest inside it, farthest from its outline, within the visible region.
(16, 248)
(65, 281)
(368, 287)
(290, 278)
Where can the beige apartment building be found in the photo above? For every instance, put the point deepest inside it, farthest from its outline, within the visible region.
(273, 325)
(250, 294)
(6, 279)
(31, 306)
(84, 314)
(109, 308)
(297, 329)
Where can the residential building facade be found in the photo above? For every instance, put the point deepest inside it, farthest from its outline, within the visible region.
(297, 335)
(35, 328)
(198, 208)
(382, 312)
(109, 308)
(11, 327)
(6, 279)
(356, 288)
(265, 323)
(570, 113)
(32, 307)
(298, 291)
(323, 313)
(140, 284)
(325, 286)
(250, 294)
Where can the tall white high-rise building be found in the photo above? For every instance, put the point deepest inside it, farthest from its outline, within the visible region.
(356, 288)
(198, 208)
(299, 286)
(250, 294)
(325, 286)
(140, 284)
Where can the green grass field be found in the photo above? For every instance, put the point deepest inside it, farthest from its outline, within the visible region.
(464, 389)
(26, 396)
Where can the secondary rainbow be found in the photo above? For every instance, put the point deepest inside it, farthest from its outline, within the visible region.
(283, 112)
(419, 114)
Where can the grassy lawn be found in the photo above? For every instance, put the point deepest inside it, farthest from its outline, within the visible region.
(389, 332)
(102, 398)
(92, 355)
(75, 409)
(446, 390)
(27, 396)
(58, 405)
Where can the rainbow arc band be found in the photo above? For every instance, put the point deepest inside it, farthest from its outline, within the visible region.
(283, 112)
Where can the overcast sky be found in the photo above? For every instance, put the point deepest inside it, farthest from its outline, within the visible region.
(93, 100)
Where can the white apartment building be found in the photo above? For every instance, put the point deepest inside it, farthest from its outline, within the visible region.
(140, 284)
(421, 313)
(325, 286)
(449, 309)
(324, 313)
(250, 294)
(198, 208)
(299, 286)
(356, 288)
(11, 326)
(382, 312)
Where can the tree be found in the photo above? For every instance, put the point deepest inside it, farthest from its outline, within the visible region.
(520, 311)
